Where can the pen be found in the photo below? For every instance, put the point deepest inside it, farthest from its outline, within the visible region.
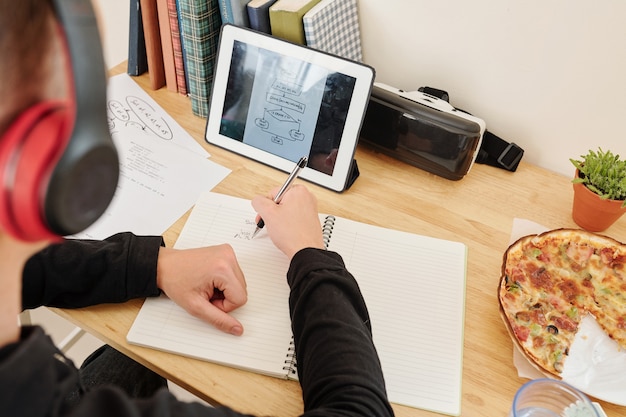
(294, 174)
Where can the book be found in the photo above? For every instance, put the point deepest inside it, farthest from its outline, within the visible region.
(259, 15)
(154, 53)
(137, 60)
(234, 12)
(286, 19)
(333, 26)
(179, 65)
(166, 45)
(200, 24)
(414, 287)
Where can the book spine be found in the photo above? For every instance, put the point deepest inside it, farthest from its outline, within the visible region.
(234, 12)
(154, 52)
(200, 24)
(259, 17)
(288, 24)
(333, 26)
(279, 24)
(226, 13)
(166, 45)
(179, 65)
(137, 60)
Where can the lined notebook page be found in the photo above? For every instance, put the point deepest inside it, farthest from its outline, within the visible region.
(414, 287)
(264, 345)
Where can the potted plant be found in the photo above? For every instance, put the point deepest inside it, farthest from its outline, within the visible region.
(599, 190)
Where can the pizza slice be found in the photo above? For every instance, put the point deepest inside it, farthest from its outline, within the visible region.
(551, 281)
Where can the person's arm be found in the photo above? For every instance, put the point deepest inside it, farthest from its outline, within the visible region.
(337, 363)
(78, 273)
(36, 380)
(338, 366)
(207, 282)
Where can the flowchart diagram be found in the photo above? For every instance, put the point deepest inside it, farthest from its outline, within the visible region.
(284, 106)
(279, 121)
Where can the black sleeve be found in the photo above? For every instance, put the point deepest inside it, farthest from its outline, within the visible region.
(36, 378)
(79, 273)
(338, 366)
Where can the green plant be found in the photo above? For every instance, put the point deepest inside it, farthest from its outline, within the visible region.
(603, 173)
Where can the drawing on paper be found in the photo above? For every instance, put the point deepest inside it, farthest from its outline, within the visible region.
(138, 114)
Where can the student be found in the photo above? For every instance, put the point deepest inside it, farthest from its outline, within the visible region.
(338, 366)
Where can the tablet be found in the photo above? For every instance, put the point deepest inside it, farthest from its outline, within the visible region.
(274, 101)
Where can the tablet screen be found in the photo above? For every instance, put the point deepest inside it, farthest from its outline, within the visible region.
(277, 102)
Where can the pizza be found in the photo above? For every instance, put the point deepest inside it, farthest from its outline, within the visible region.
(551, 281)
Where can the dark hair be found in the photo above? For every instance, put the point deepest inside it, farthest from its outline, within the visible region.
(26, 32)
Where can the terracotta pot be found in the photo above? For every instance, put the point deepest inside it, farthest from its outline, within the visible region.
(591, 212)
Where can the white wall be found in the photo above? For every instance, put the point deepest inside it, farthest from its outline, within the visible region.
(549, 75)
(113, 18)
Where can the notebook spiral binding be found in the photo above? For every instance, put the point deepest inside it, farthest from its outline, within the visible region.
(291, 366)
(327, 229)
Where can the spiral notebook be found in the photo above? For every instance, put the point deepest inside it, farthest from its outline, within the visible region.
(419, 339)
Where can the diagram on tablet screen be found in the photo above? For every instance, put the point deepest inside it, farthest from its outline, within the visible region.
(283, 121)
(284, 106)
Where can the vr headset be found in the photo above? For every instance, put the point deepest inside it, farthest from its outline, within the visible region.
(423, 129)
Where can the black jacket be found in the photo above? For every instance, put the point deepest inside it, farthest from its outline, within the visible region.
(338, 366)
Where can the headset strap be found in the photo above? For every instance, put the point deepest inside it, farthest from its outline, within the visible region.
(499, 153)
(494, 150)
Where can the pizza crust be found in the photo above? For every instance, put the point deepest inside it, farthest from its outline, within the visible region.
(530, 307)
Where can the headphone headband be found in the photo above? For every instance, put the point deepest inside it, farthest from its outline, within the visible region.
(85, 178)
(58, 164)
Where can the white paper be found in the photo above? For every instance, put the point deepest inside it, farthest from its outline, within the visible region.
(159, 179)
(131, 110)
(595, 365)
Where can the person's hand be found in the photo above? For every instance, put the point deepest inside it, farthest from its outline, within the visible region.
(207, 282)
(294, 223)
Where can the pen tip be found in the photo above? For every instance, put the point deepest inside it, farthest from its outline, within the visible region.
(255, 232)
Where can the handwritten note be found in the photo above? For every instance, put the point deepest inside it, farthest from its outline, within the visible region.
(132, 111)
(163, 170)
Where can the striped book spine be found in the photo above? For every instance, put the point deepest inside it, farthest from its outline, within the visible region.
(166, 45)
(200, 23)
(179, 64)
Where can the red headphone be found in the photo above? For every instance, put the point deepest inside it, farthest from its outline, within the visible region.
(58, 164)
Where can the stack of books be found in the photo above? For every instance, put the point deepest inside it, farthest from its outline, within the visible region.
(176, 41)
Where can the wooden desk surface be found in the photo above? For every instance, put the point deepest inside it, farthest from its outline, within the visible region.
(477, 210)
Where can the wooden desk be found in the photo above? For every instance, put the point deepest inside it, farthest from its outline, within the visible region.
(477, 210)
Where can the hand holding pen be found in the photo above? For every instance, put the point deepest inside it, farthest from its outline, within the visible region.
(294, 224)
(279, 195)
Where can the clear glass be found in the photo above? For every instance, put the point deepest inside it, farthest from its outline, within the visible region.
(551, 398)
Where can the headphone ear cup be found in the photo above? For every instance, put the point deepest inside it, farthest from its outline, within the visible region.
(29, 151)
